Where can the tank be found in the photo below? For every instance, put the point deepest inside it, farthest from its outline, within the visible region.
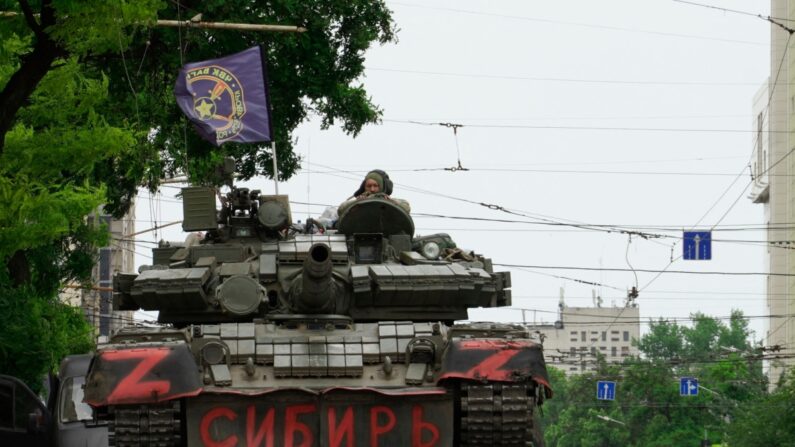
(279, 334)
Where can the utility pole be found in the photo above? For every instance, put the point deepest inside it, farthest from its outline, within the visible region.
(233, 26)
(196, 22)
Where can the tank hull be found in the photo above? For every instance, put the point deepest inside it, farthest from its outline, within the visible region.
(274, 385)
(286, 337)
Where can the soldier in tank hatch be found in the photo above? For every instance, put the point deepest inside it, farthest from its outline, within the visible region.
(375, 182)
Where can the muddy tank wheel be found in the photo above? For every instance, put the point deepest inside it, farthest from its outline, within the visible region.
(498, 415)
(145, 425)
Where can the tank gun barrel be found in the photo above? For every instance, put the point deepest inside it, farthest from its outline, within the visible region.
(317, 290)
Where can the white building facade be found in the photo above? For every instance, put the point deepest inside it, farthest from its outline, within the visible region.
(574, 342)
(773, 171)
(118, 256)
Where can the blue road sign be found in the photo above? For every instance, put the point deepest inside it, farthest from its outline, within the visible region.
(697, 245)
(688, 386)
(605, 390)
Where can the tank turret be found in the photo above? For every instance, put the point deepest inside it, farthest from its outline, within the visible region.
(275, 332)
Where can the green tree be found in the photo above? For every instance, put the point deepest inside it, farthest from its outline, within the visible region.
(769, 420)
(87, 115)
(574, 418)
(54, 143)
(37, 333)
(316, 72)
(719, 354)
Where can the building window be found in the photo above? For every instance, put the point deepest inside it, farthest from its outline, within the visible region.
(604, 335)
(582, 335)
(573, 352)
(626, 335)
(603, 348)
(760, 123)
(593, 351)
(764, 160)
(624, 351)
(613, 351)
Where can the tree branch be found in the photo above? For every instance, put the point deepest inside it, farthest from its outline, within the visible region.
(30, 18)
(33, 67)
(47, 14)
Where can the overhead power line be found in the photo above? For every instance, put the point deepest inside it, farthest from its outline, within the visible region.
(655, 319)
(718, 8)
(737, 11)
(364, 169)
(566, 80)
(579, 24)
(571, 171)
(618, 269)
(750, 298)
(676, 227)
(584, 128)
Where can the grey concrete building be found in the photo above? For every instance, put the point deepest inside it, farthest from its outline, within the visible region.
(773, 169)
(572, 343)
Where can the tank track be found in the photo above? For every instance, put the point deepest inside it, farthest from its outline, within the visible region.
(498, 415)
(145, 426)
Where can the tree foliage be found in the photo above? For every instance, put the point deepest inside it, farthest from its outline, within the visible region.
(648, 410)
(316, 72)
(37, 333)
(87, 116)
(767, 421)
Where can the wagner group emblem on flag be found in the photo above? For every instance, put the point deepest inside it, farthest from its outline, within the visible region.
(226, 98)
(218, 100)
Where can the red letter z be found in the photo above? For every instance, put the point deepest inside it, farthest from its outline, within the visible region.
(131, 389)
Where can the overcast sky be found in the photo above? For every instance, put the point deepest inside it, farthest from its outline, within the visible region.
(624, 113)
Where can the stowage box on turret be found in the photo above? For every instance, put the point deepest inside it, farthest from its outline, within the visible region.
(278, 335)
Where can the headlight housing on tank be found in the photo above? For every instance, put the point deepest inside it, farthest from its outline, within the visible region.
(432, 246)
(430, 250)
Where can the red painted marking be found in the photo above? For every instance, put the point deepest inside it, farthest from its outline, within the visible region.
(207, 420)
(131, 388)
(490, 366)
(493, 344)
(378, 430)
(338, 432)
(293, 425)
(265, 429)
(418, 426)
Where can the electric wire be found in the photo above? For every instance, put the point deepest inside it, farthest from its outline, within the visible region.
(734, 11)
(769, 168)
(568, 171)
(618, 269)
(576, 24)
(602, 319)
(565, 80)
(583, 128)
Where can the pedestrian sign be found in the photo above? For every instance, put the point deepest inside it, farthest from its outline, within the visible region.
(605, 390)
(697, 245)
(688, 386)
